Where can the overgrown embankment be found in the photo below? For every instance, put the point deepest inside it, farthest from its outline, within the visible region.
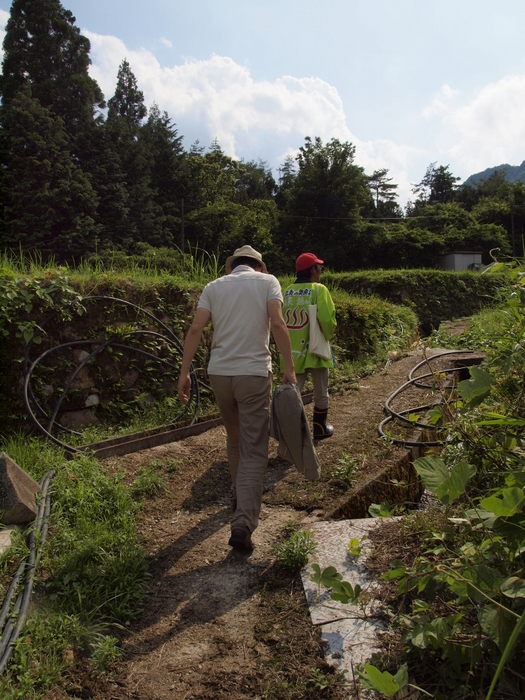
(74, 312)
(377, 312)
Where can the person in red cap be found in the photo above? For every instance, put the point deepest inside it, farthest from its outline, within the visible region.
(304, 291)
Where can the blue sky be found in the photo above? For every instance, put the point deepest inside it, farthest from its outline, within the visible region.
(408, 82)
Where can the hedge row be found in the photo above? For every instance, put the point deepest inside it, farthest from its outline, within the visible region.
(434, 295)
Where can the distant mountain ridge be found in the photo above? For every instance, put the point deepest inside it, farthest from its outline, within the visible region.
(513, 173)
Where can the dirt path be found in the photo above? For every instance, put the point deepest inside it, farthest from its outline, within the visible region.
(217, 624)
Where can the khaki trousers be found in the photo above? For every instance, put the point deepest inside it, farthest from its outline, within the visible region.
(320, 383)
(244, 404)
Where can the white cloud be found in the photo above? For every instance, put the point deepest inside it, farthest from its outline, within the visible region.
(253, 119)
(441, 103)
(219, 99)
(482, 130)
(166, 42)
(490, 129)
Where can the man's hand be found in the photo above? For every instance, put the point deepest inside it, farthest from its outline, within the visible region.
(289, 378)
(184, 387)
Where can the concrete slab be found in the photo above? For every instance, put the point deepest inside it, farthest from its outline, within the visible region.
(350, 632)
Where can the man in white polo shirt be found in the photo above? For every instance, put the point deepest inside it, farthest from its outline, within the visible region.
(244, 306)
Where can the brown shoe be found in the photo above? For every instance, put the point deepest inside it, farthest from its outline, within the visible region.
(241, 540)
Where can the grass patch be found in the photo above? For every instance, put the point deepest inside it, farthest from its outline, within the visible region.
(293, 552)
(148, 482)
(91, 578)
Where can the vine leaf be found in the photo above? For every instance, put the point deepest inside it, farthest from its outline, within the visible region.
(474, 390)
(496, 624)
(383, 681)
(513, 587)
(504, 503)
(447, 484)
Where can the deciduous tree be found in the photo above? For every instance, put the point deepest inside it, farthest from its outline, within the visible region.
(437, 187)
(323, 202)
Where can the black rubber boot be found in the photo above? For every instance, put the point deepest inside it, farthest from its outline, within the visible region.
(322, 429)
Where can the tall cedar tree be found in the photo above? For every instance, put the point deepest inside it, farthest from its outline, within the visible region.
(168, 175)
(126, 113)
(44, 50)
(45, 69)
(50, 203)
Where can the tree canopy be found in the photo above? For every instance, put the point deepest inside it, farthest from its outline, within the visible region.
(77, 178)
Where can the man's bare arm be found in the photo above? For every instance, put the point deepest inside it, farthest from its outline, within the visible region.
(191, 343)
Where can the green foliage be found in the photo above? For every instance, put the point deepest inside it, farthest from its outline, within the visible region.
(482, 332)
(294, 551)
(44, 49)
(320, 680)
(11, 558)
(43, 655)
(48, 106)
(51, 203)
(24, 301)
(105, 651)
(354, 547)
(322, 201)
(197, 265)
(447, 484)
(380, 510)
(463, 591)
(345, 469)
(371, 326)
(437, 186)
(340, 590)
(97, 562)
(92, 574)
(383, 681)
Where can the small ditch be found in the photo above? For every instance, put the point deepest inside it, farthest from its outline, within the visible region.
(431, 383)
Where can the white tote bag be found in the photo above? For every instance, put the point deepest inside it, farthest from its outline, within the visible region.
(318, 345)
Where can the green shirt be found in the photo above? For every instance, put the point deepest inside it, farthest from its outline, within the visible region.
(297, 298)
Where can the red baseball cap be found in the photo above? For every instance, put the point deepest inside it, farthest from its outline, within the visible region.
(306, 260)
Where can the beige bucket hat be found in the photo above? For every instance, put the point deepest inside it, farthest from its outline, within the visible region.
(246, 251)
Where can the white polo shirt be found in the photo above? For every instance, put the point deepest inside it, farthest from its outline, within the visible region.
(239, 314)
